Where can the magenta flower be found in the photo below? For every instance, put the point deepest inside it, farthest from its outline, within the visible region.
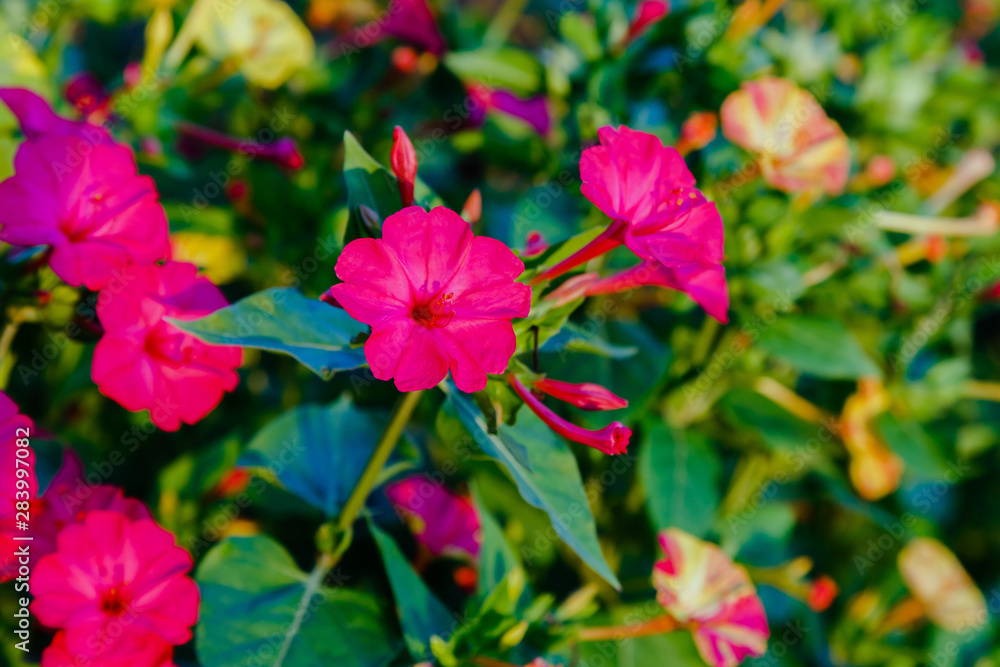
(146, 363)
(586, 396)
(532, 110)
(15, 487)
(612, 439)
(444, 522)
(408, 20)
(437, 297)
(404, 164)
(649, 194)
(115, 585)
(703, 590)
(647, 14)
(38, 120)
(132, 650)
(83, 198)
(69, 498)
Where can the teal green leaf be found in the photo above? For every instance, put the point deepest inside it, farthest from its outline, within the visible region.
(255, 601)
(819, 346)
(282, 320)
(317, 452)
(421, 615)
(680, 472)
(546, 475)
(496, 558)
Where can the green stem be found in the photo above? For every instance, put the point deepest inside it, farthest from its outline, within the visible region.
(7, 337)
(400, 416)
(504, 21)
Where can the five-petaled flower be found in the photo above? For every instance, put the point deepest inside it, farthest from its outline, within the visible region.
(703, 590)
(80, 193)
(649, 194)
(437, 297)
(800, 149)
(115, 586)
(146, 363)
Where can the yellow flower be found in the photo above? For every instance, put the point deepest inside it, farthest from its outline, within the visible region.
(875, 470)
(800, 149)
(937, 579)
(265, 38)
(219, 257)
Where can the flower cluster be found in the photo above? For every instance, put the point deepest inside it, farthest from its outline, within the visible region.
(78, 192)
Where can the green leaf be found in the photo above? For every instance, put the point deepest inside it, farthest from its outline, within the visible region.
(546, 475)
(572, 338)
(282, 320)
(421, 615)
(819, 346)
(368, 182)
(371, 184)
(255, 601)
(496, 558)
(317, 452)
(779, 429)
(680, 472)
(509, 68)
(922, 455)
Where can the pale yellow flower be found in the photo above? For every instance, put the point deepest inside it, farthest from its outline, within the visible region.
(937, 579)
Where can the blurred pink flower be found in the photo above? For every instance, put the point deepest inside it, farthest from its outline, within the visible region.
(132, 650)
(698, 131)
(112, 583)
(83, 197)
(534, 244)
(15, 487)
(532, 110)
(587, 395)
(713, 597)
(647, 14)
(442, 521)
(403, 160)
(410, 21)
(648, 192)
(146, 363)
(612, 439)
(69, 498)
(437, 298)
(800, 149)
(37, 119)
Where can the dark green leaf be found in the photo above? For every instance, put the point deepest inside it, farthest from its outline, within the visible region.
(283, 320)
(317, 452)
(258, 605)
(680, 472)
(546, 475)
(421, 615)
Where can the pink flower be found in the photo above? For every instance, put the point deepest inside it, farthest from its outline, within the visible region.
(112, 582)
(532, 110)
(38, 120)
(84, 199)
(146, 363)
(647, 14)
(587, 396)
(648, 192)
(69, 498)
(17, 482)
(132, 650)
(437, 298)
(534, 244)
(403, 160)
(410, 21)
(612, 439)
(713, 597)
(799, 148)
(442, 521)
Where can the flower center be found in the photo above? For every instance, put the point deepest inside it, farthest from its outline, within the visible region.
(435, 314)
(113, 602)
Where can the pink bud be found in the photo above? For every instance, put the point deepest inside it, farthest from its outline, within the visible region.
(535, 244)
(404, 164)
(587, 396)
